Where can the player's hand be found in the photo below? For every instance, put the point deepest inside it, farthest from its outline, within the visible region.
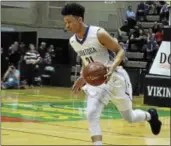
(79, 83)
(110, 70)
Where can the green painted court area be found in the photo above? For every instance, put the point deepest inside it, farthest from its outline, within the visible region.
(43, 105)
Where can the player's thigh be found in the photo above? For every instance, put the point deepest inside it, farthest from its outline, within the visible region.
(94, 107)
(122, 92)
(121, 98)
(100, 93)
(126, 82)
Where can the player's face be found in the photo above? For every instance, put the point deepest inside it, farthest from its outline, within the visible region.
(72, 23)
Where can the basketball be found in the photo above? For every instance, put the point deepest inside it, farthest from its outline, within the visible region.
(94, 73)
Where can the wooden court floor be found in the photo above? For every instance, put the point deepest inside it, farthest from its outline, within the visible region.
(52, 116)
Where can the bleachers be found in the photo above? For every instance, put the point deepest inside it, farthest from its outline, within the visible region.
(148, 24)
(134, 55)
(136, 58)
(136, 64)
(153, 18)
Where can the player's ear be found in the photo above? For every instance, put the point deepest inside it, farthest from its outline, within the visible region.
(80, 19)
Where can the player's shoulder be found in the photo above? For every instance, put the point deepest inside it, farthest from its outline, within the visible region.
(95, 30)
(93, 27)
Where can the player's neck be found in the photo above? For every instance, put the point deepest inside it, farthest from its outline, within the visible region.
(81, 33)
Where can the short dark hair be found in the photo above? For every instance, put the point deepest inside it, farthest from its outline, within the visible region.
(73, 9)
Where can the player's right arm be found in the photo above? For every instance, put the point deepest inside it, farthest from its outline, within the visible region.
(80, 82)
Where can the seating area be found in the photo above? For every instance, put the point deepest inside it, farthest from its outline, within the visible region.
(143, 38)
(141, 41)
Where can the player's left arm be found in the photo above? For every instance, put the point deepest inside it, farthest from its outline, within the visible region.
(108, 42)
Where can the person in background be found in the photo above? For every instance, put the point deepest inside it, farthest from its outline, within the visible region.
(124, 45)
(47, 59)
(52, 52)
(42, 49)
(22, 48)
(32, 59)
(150, 49)
(141, 11)
(139, 24)
(14, 54)
(151, 7)
(150, 34)
(16, 44)
(158, 6)
(164, 12)
(124, 30)
(131, 17)
(155, 27)
(159, 36)
(11, 79)
(138, 38)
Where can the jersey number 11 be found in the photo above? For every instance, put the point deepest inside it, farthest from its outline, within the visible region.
(89, 59)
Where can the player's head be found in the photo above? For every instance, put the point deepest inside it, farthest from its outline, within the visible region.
(73, 16)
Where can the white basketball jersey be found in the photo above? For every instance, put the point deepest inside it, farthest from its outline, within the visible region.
(89, 48)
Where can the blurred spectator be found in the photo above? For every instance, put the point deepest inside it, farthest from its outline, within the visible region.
(131, 17)
(124, 30)
(51, 50)
(139, 24)
(52, 53)
(138, 38)
(159, 36)
(158, 6)
(150, 34)
(123, 45)
(42, 49)
(22, 48)
(155, 27)
(16, 44)
(141, 11)
(164, 12)
(14, 54)
(32, 59)
(47, 59)
(135, 32)
(151, 7)
(150, 49)
(11, 78)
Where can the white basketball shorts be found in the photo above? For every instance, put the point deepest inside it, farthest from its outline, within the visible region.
(118, 90)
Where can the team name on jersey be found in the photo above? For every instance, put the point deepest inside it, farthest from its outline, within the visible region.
(87, 51)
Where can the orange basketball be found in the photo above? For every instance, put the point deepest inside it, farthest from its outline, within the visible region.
(94, 73)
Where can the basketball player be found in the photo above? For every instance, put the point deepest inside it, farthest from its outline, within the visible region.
(91, 43)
